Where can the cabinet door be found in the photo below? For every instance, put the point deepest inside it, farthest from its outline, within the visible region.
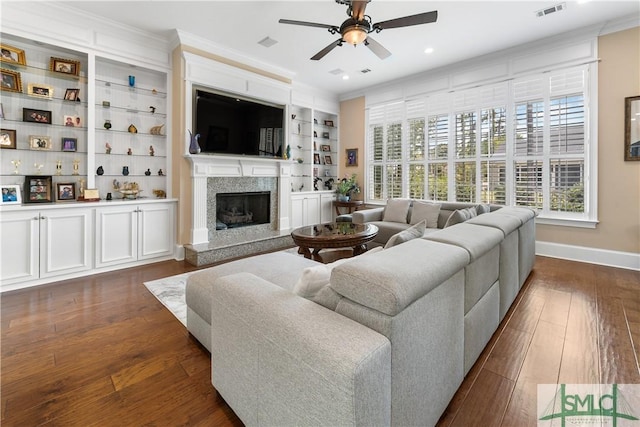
(297, 211)
(313, 209)
(19, 247)
(156, 235)
(116, 235)
(326, 208)
(65, 241)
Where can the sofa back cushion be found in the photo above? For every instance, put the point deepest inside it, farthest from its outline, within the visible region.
(423, 210)
(413, 232)
(396, 210)
(461, 215)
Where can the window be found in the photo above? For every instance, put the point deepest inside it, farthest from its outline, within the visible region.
(519, 143)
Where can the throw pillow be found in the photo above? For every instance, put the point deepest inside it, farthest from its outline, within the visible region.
(460, 215)
(427, 211)
(396, 210)
(483, 208)
(410, 233)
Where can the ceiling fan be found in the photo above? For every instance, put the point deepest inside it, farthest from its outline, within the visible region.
(358, 26)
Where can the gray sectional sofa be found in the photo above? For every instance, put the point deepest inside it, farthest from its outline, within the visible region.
(386, 341)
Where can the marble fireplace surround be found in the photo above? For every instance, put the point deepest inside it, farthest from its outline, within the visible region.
(211, 174)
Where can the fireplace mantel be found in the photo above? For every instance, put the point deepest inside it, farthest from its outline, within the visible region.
(204, 166)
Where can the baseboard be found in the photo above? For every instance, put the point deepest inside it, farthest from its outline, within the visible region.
(626, 260)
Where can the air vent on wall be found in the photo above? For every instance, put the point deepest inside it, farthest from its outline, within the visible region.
(365, 71)
(546, 11)
(267, 42)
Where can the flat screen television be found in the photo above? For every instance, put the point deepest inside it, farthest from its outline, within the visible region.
(232, 125)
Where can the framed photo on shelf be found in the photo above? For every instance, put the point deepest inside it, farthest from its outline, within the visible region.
(1, 111)
(632, 128)
(325, 147)
(69, 144)
(11, 195)
(37, 142)
(11, 81)
(328, 123)
(8, 138)
(71, 95)
(327, 160)
(65, 192)
(13, 54)
(37, 189)
(325, 135)
(40, 90)
(351, 156)
(65, 66)
(71, 121)
(316, 158)
(36, 116)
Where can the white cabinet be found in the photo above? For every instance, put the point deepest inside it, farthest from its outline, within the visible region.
(132, 232)
(39, 244)
(311, 208)
(326, 207)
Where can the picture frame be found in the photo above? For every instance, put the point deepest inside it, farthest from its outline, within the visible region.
(8, 138)
(72, 95)
(325, 147)
(36, 116)
(11, 195)
(69, 144)
(12, 55)
(10, 80)
(39, 142)
(71, 121)
(328, 160)
(91, 195)
(38, 189)
(351, 156)
(64, 66)
(632, 128)
(316, 158)
(65, 191)
(1, 111)
(325, 135)
(40, 90)
(328, 123)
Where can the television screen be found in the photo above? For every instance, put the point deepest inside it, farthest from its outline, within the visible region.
(231, 125)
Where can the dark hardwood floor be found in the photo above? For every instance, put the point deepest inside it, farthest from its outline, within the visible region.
(101, 350)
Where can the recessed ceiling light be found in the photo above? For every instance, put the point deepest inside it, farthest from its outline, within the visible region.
(267, 42)
(336, 71)
(428, 50)
(345, 77)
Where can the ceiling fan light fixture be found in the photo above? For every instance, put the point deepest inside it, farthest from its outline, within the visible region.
(354, 34)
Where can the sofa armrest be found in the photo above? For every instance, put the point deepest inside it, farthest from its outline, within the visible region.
(279, 359)
(368, 215)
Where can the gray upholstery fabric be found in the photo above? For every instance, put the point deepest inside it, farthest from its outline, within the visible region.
(461, 215)
(338, 372)
(483, 208)
(527, 239)
(397, 210)
(367, 215)
(479, 325)
(386, 229)
(423, 210)
(413, 232)
(427, 347)
(475, 239)
(390, 280)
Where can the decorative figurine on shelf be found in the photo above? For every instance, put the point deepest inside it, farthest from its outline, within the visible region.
(315, 183)
(116, 184)
(132, 81)
(100, 170)
(152, 152)
(132, 128)
(81, 191)
(16, 165)
(287, 152)
(160, 194)
(107, 148)
(156, 130)
(160, 173)
(38, 167)
(194, 147)
(154, 91)
(59, 167)
(107, 124)
(328, 184)
(76, 166)
(109, 196)
(129, 152)
(147, 172)
(152, 108)
(125, 170)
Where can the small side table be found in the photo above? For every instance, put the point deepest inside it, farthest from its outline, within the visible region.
(350, 206)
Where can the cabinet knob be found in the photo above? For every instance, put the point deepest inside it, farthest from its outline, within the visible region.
(43, 217)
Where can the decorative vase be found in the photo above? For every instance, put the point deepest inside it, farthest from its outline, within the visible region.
(132, 81)
(147, 172)
(107, 124)
(132, 129)
(343, 198)
(194, 147)
(125, 170)
(100, 170)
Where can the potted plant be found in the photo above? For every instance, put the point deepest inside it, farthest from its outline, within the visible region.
(346, 186)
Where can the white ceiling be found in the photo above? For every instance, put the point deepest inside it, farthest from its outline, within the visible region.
(465, 29)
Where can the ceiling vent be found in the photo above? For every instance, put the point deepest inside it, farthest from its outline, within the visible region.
(336, 72)
(267, 42)
(549, 10)
(365, 71)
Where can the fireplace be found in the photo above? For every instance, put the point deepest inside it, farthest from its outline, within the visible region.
(242, 209)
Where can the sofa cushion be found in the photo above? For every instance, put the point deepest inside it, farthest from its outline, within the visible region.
(461, 215)
(483, 208)
(396, 210)
(410, 233)
(427, 211)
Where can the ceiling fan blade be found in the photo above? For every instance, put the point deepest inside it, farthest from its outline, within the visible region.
(326, 50)
(407, 21)
(306, 24)
(376, 48)
(357, 9)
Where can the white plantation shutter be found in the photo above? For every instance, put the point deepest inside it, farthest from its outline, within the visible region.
(528, 184)
(465, 136)
(567, 124)
(493, 175)
(465, 184)
(438, 188)
(567, 185)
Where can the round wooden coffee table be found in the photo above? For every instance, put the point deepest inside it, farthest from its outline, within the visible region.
(333, 235)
